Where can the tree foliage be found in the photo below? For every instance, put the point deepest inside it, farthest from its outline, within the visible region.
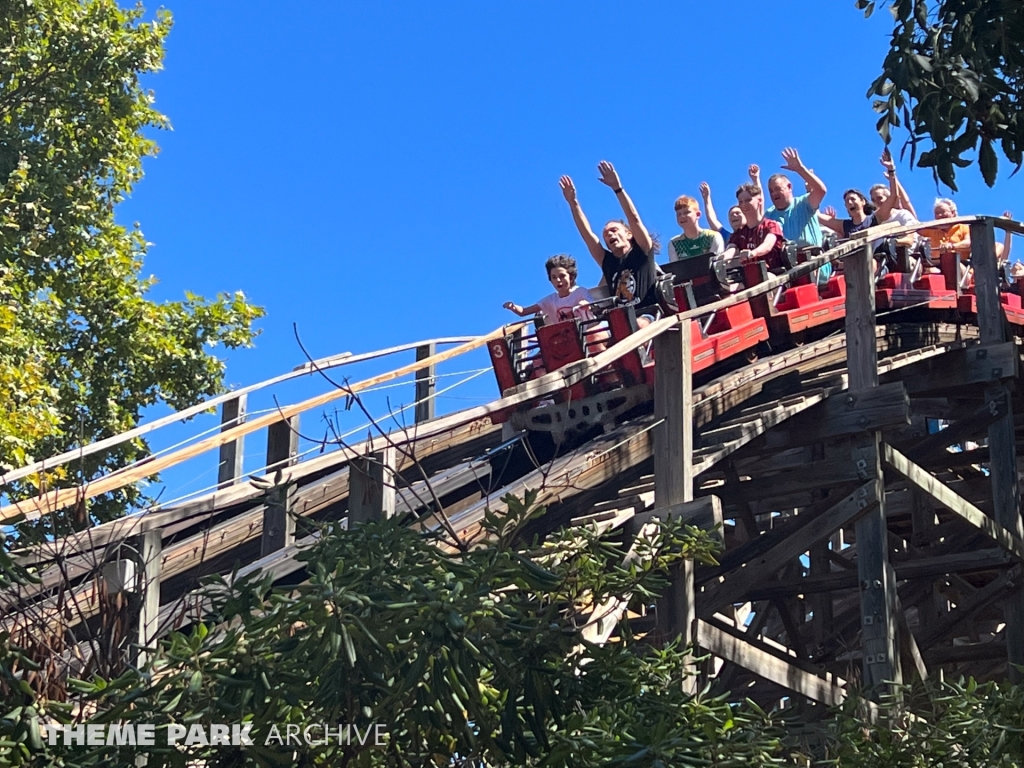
(465, 658)
(83, 350)
(954, 75)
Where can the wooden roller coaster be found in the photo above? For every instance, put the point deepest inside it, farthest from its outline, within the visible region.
(860, 466)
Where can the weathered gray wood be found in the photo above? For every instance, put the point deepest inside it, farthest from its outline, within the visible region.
(705, 513)
(848, 413)
(278, 521)
(973, 561)
(739, 581)
(232, 455)
(952, 501)
(150, 548)
(425, 385)
(877, 581)
(763, 664)
(1001, 440)
(372, 487)
(673, 460)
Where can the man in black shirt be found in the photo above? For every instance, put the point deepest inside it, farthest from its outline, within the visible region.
(628, 261)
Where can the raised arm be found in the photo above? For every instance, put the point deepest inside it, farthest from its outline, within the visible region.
(610, 178)
(815, 187)
(902, 200)
(709, 207)
(592, 241)
(885, 209)
(754, 172)
(1007, 240)
(827, 218)
(521, 311)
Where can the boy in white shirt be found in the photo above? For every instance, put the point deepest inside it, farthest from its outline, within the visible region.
(565, 302)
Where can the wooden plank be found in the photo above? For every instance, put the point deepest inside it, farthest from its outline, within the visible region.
(974, 364)
(372, 494)
(232, 455)
(1005, 584)
(765, 665)
(278, 520)
(150, 548)
(673, 464)
(1002, 441)
(954, 503)
(843, 414)
(972, 561)
(739, 581)
(425, 384)
(877, 581)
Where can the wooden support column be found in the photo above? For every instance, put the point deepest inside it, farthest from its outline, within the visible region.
(673, 460)
(1001, 442)
(229, 470)
(371, 493)
(874, 572)
(425, 384)
(150, 548)
(278, 523)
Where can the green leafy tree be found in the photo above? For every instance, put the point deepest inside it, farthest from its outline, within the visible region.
(472, 657)
(83, 350)
(954, 76)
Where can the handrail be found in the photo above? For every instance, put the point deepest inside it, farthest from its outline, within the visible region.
(335, 361)
(49, 501)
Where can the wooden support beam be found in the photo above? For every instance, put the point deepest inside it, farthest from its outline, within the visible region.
(1005, 584)
(858, 410)
(974, 364)
(740, 652)
(953, 502)
(705, 513)
(278, 521)
(740, 581)
(673, 460)
(1001, 439)
(971, 561)
(150, 549)
(232, 455)
(877, 581)
(425, 384)
(372, 487)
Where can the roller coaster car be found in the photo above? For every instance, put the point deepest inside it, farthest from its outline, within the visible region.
(802, 306)
(626, 383)
(1010, 296)
(909, 286)
(701, 280)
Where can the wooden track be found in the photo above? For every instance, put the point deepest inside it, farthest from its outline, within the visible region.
(799, 453)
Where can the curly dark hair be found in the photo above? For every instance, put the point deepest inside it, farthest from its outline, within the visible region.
(565, 261)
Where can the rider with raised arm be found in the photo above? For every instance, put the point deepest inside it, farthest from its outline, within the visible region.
(628, 260)
(760, 238)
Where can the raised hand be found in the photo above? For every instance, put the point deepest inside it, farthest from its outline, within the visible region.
(792, 158)
(829, 211)
(568, 190)
(609, 176)
(887, 161)
(1007, 215)
(705, 190)
(754, 171)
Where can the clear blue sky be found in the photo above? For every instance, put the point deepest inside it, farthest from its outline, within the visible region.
(385, 172)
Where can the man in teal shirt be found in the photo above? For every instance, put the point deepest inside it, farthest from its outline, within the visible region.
(798, 215)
